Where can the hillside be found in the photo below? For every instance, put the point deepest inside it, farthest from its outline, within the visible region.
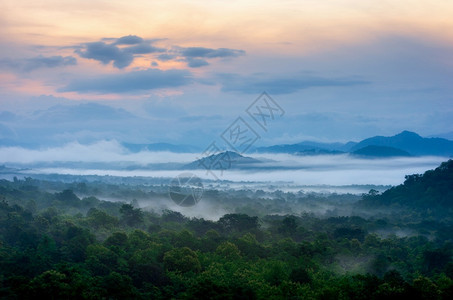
(221, 161)
(379, 151)
(433, 190)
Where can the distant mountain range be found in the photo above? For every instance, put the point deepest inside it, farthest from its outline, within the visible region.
(308, 146)
(411, 143)
(380, 151)
(446, 135)
(405, 143)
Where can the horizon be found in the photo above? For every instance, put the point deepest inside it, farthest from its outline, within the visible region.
(195, 148)
(340, 71)
(79, 97)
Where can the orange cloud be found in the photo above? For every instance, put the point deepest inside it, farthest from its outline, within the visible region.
(294, 26)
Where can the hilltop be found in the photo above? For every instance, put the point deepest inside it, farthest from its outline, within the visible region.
(222, 161)
(432, 190)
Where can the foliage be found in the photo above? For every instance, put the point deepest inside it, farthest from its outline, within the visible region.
(58, 245)
(431, 191)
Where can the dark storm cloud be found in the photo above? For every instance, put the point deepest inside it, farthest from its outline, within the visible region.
(130, 82)
(285, 84)
(38, 62)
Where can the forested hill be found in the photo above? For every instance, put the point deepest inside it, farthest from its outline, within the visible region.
(54, 245)
(433, 189)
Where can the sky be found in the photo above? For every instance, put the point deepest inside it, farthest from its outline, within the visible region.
(183, 72)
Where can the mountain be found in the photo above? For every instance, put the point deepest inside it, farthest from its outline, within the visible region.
(411, 143)
(403, 144)
(446, 135)
(222, 161)
(308, 147)
(380, 151)
(317, 151)
(433, 189)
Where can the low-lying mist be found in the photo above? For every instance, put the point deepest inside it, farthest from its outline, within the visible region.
(111, 158)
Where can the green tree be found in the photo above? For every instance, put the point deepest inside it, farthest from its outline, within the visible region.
(98, 218)
(117, 239)
(425, 288)
(228, 250)
(300, 275)
(288, 226)
(231, 223)
(182, 259)
(51, 285)
(119, 286)
(131, 216)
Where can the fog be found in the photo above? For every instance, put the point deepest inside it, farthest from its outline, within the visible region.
(279, 169)
(335, 176)
(102, 151)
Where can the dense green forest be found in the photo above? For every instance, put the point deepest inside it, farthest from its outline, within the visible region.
(57, 244)
(433, 190)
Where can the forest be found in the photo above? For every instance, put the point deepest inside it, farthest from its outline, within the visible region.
(59, 240)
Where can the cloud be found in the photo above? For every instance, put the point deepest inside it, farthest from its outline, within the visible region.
(197, 57)
(129, 40)
(105, 53)
(166, 57)
(122, 52)
(38, 62)
(199, 118)
(130, 82)
(142, 48)
(121, 56)
(49, 62)
(86, 111)
(6, 132)
(6, 116)
(280, 84)
(100, 151)
(201, 52)
(196, 62)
